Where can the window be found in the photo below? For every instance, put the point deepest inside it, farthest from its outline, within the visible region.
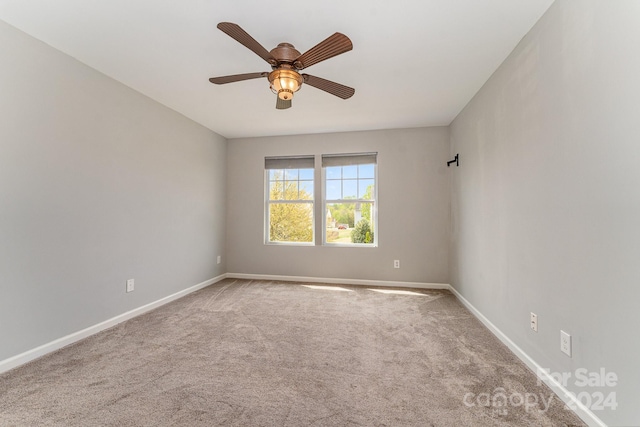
(350, 198)
(289, 200)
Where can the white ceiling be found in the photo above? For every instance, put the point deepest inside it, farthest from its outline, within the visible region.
(415, 62)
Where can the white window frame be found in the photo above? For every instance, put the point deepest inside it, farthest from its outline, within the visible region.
(282, 163)
(351, 159)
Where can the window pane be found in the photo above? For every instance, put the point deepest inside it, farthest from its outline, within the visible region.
(275, 174)
(276, 190)
(366, 171)
(306, 190)
(365, 212)
(291, 190)
(349, 223)
(350, 171)
(365, 189)
(334, 172)
(350, 189)
(291, 222)
(339, 222)
(306, 174)
(291, 173)
(333, 190)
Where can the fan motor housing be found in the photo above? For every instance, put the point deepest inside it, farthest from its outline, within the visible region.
(285, 52)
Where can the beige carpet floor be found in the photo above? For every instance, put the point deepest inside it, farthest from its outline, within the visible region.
(259, 353)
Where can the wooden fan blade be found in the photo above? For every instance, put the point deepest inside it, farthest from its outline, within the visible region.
(341, 91)
(328, 48)
(241, 36)
(236, 78)
(282, 104)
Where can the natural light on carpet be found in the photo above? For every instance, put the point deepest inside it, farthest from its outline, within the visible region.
(396, 292)
(328, 288)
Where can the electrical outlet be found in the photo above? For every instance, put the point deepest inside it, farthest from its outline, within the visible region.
(396, 263)
(219, 259)
(130, 285)
(565, 343)
(534, 322)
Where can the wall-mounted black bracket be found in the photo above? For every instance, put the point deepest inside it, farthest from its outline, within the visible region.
(455, 160)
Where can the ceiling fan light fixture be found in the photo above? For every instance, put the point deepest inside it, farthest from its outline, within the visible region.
(286, 63)
(285, 82)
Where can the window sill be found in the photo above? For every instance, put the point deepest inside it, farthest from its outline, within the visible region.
(290, 244)
(350, 245)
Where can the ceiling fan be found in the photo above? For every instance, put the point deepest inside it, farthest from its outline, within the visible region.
(286, 62)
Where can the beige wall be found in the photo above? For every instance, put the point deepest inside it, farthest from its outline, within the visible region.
(413, 208)
(546, 203)
(98, 184)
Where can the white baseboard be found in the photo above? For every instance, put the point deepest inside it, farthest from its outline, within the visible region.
(581, 410)
(52, 346)
(362, 282)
